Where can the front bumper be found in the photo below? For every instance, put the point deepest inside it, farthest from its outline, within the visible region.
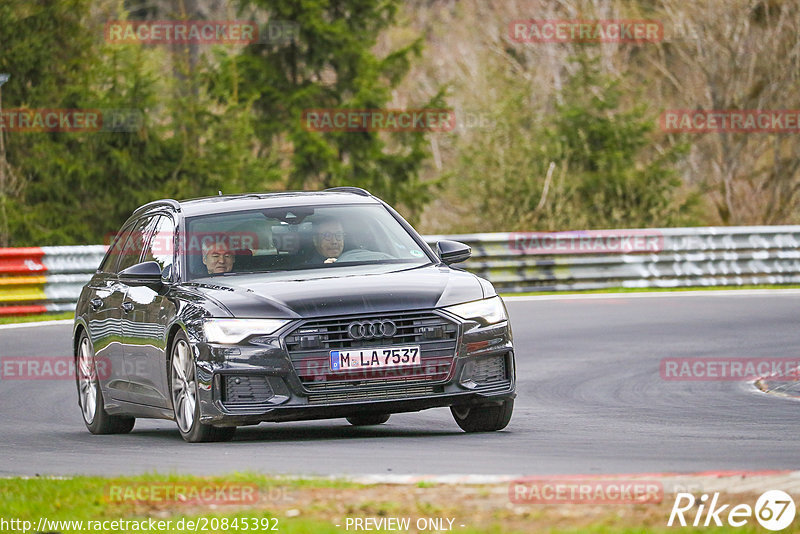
(267, 371)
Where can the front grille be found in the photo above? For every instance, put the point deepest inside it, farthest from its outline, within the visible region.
(310, 343)
(245, 391)
(349, 394)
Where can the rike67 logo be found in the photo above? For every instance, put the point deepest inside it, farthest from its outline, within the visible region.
(774, 510)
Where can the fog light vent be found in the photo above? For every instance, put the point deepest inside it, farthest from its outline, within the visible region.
(243, 390)
(487, 371)
(490, 369)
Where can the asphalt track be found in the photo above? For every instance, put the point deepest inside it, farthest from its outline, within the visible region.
(591, 401)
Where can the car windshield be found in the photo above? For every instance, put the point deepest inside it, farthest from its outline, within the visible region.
(297, 238)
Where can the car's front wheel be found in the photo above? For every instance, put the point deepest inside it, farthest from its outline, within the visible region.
(90, 396)
(368, 420)
(183, 383)
(483, 418)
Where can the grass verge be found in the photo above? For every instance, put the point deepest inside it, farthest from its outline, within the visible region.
(37, 318)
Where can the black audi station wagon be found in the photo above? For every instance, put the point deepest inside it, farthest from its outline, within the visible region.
(233, 310)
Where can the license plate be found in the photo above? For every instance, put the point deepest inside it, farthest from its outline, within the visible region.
(374, 358)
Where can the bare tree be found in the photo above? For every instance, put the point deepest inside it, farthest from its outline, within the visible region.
(738, 55)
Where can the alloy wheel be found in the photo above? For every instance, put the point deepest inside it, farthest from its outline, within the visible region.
(184, 386)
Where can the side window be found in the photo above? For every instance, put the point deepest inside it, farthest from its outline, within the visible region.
(113, 255)
(161, 243)
(132, 250)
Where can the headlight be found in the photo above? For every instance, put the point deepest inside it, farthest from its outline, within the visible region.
(485, 311)
(229, 331)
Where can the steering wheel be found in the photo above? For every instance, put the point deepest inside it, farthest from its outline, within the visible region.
(358, 254)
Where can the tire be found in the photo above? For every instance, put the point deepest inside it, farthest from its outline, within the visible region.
(368, 420)
(183, 387)
(483, 418)
(90, 395)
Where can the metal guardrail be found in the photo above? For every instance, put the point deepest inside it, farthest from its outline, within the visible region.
(48, 279)
(657, 258)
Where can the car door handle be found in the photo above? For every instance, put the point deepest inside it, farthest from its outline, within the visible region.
(96, 303)
(127, 307)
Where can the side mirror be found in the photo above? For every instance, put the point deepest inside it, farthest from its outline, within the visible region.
(147, 273)
(452, 251)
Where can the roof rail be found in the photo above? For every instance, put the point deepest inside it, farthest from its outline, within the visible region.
(350, 189)
(164, 201)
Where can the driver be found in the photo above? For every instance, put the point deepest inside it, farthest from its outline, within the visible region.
(217, 257)
(328, 239)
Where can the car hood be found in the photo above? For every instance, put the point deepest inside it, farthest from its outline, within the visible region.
(341, 291)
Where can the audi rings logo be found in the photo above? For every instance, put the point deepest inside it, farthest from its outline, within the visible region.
(371, 329)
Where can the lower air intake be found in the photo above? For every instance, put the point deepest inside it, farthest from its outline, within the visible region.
(245, 391)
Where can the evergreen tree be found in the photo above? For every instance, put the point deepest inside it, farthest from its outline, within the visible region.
(330, 64)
